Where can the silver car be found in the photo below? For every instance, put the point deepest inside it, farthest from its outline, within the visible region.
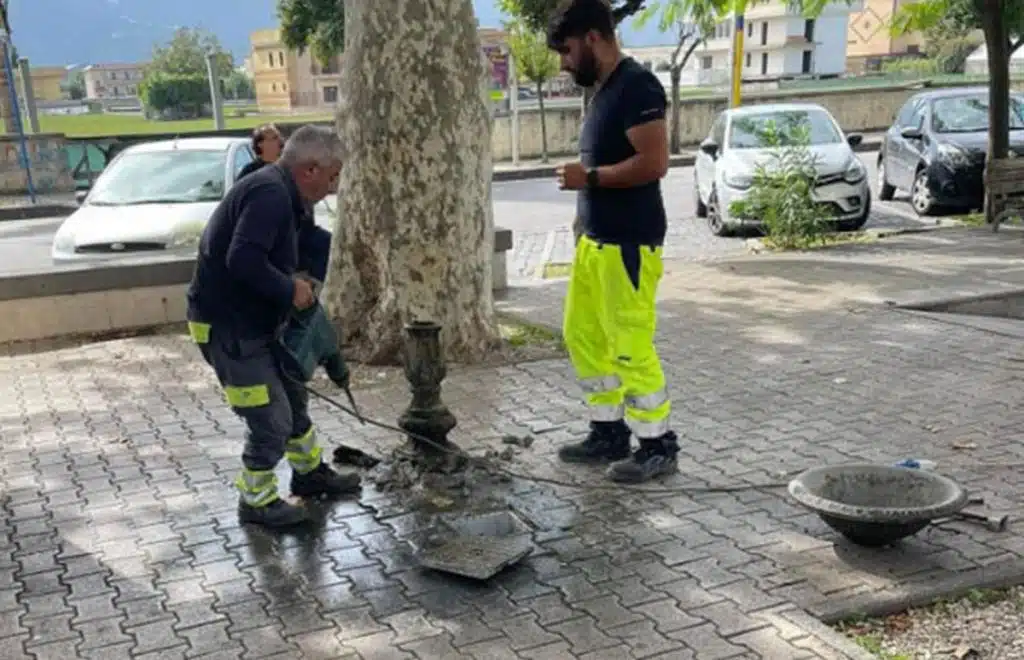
(727, 159)
(155, 199)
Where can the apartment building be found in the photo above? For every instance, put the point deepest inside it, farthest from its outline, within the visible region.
(113, 81)
(870, 41)
(49, 83)
(286, 80)
(779, 42)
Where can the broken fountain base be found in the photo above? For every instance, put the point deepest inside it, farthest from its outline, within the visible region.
(436, 478)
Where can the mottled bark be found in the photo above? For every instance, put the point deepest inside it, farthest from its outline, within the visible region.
(415, 238)
(7, 123)
(543, 123)
(997, 49)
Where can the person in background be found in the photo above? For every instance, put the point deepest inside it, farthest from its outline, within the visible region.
(610, 312)
(266, 144)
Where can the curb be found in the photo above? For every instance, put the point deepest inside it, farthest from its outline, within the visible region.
(678, 160)
(34, 211)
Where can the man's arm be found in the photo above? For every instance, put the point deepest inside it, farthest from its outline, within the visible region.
(265, 213)
(647, 132)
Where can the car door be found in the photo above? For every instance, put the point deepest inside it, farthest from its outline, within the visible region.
(241, 157)
(904, 162)
(704, 164)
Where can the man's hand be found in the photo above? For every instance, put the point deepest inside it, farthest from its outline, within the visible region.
(571, 176)
(338, 372)
(303, 297)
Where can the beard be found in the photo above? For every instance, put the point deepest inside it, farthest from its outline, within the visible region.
(586, 73)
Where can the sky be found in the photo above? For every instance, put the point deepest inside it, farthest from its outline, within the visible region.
(79, 32)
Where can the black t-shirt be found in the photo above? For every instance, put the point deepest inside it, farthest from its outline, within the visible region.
(631, 96)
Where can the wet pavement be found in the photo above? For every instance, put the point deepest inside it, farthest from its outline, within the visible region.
(121, 539)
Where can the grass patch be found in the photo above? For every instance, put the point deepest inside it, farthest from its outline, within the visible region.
(974, 219)
(551, 271)
(125, 124)
(816, 242)
(519, 333)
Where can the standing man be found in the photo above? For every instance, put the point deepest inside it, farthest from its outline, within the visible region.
(244, 287)
(610, 313)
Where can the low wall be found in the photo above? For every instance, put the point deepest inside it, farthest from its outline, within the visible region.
(121, 297)
(47, 159)
(864, 109)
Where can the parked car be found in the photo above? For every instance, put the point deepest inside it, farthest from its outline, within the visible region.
(155, 198)
(937, 146)
(728, 158)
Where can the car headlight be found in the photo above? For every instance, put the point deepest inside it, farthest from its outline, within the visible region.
(739, 181)
(63, 241)
(952, 154)
(855, 173)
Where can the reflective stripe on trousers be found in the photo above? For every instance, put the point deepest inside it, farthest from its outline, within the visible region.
(257, 487)
(609, 326)
(303, 452)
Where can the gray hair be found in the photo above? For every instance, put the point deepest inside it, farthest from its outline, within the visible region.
(312, 145)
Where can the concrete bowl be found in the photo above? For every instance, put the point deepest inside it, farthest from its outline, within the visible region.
(875, 505)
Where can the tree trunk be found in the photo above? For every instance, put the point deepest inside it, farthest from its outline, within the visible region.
(415, 234)
(999, 89)
(543, 124)
(675, 74)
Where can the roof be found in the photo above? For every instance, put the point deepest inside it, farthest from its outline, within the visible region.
(762, 108)
(114, 65)
(188, 144)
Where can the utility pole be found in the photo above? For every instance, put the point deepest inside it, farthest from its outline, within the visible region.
(513, 90)
(215, 97)
(28, 94)
(737, 53)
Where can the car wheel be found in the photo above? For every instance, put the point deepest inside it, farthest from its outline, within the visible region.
(921, 195)
(701, 207)
(716, 223)
(886, 191)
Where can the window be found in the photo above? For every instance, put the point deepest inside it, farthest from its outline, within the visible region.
(280, 58)
(906, 112)
(805, 66)
(809, 30)
(969, 114)
(764, 64)
(748, 60)
(750, 29)
(718, 130)
(187, 175)
(330, 94)
(284, 87)
(242, 158)
(117, 91)
(764, 33)
(273, 87)
(913, 49)
(748, 130)
(706, 62)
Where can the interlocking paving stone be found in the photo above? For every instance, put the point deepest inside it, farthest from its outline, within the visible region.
(123, 541)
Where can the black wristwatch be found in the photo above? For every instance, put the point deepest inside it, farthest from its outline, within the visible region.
(592, 178)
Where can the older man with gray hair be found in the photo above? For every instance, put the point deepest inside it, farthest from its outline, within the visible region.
(249, 276)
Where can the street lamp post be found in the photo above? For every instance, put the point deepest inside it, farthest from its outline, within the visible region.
(739, 8)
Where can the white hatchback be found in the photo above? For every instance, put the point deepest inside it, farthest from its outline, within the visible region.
(728, 158)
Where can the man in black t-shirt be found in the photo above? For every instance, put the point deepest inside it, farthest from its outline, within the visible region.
(610, 310)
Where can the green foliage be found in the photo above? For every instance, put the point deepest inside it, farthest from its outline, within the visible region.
(183, 94)
(185, 55)
(946, 18)
(75, 86)
(238, 86)
(694, 19)
(534, 60)
(917, 66)
(537, 13)
(318, 25)
(781, 191)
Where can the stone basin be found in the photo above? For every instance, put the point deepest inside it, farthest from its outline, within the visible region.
(874, 505)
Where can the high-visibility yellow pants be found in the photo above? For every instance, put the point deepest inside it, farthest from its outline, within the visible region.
(609, 326)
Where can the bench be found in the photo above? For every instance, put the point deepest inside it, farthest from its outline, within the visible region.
(1004, 183)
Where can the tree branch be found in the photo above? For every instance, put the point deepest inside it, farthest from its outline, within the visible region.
(683, 36)
(1014, 45)
(689, 52)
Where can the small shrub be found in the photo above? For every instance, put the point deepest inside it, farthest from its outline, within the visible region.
(913, 66)
(781, 191)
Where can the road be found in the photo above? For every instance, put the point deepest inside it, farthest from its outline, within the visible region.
(538, 214)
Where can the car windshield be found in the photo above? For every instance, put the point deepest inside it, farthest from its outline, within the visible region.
(782, 128)
(969, 114)
(162, 177)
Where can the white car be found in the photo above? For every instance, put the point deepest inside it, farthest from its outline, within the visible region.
(727, 159)
(155, 199)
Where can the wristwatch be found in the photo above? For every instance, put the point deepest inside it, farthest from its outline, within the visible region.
(592, 178)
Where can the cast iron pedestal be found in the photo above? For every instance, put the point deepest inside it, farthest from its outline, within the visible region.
(427, 416)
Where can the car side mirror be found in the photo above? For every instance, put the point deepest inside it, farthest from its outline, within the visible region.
(854, 140)
(911, 133)
(710, 147)
(80, 196)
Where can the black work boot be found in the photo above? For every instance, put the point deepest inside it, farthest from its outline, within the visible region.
(607, 441)
(324, 482)
(655, 457)
(276, 514)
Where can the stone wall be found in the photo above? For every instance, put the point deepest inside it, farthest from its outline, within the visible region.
(47, 159)
(864, 109)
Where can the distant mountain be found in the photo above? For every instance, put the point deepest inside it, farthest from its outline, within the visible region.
(62, 32)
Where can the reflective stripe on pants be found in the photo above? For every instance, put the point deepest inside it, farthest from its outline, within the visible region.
(609, 326)
(257, 487)
(303, 452)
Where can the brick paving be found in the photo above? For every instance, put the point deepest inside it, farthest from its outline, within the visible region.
(121, 539)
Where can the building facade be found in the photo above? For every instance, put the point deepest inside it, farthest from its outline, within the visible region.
(288, 81)
(113, 81)
(49, 83)
(870, 41)
(779, 42)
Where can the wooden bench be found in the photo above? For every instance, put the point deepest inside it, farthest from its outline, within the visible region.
(1004, 182)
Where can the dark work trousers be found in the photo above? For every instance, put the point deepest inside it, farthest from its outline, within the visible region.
(275, 408)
